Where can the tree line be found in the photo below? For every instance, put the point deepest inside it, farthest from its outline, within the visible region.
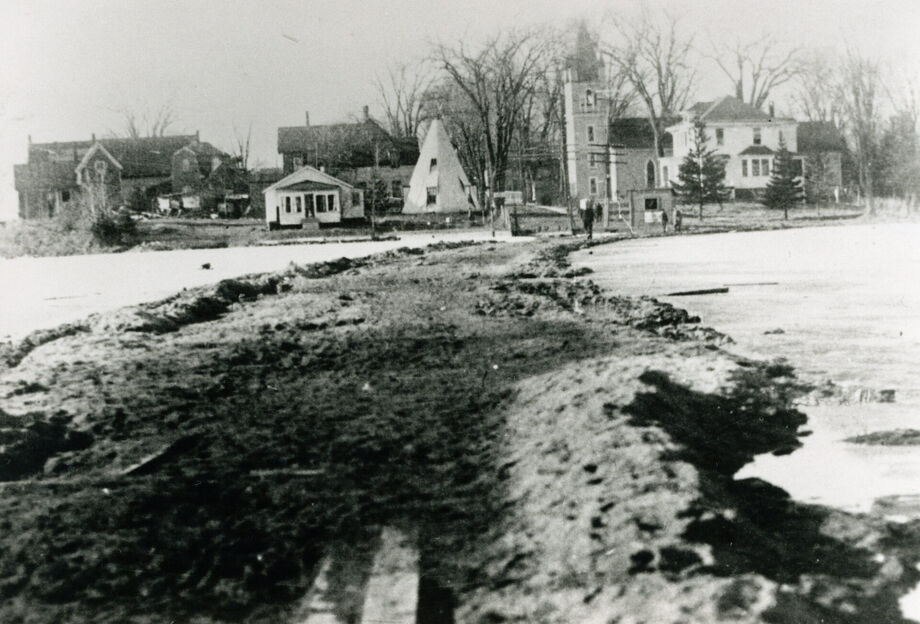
(501, 99)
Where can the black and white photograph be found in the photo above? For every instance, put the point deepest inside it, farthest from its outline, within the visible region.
(467, 312)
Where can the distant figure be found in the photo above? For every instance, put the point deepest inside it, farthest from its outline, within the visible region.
(678, 220)
(588, 219)
(664, 221)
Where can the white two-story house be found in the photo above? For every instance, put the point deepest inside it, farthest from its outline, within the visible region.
(746, 137)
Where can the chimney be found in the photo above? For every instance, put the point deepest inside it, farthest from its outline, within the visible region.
(30, 139)
(772, 111)
(367, 114)
(196, 136)
(94, 137)
(306, 116)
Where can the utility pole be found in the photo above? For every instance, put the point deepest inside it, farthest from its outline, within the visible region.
(374, 190)
(489, 197)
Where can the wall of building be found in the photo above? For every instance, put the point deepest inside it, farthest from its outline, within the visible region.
(185, 176)
(736, 136)
(583, 113)
(629, 170)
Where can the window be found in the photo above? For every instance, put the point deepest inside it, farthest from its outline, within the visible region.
(331, 203)
(720, 136)
(765, 167)
(99, 166)
(590, 98)
(186, 165)
(432, 195)
(310, 207)
(298, 162)
(755, 168)
(592, 186)
(320, 203)
(757, 138)
(396, 189)
(590, 134)
(298, 206)
(287, 204)
(650, 174)
(594, 159)
(65, 196)
(665, 178)
(744, 168)
(355, 198)
(432, 165)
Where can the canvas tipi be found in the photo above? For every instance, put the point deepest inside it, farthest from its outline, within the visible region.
(438, 183)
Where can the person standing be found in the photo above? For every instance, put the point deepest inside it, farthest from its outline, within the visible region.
(678, 220)
(588, 219)
(664, 221)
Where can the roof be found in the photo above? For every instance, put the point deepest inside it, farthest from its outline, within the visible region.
(636, 132)
(309, 185)
(819, 136)
(269, 174)
(307, 174)
(146, 156)
(728, 109)
(757, 150)
(348, 144)
(140, 157)
(97, 147)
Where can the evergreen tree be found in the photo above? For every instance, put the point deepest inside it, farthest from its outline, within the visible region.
(701, 176)
(783, 189)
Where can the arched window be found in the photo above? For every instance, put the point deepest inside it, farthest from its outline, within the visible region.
(186, 165)
(650, 174)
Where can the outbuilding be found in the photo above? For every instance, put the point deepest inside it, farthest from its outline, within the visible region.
(310, 197)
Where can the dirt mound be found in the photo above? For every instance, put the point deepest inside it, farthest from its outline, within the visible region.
(13, 352)
(893, 437)
(27, 442)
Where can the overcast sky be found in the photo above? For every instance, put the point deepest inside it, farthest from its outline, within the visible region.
(68, 67)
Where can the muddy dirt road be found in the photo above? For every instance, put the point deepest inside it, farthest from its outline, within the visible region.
(558, 453)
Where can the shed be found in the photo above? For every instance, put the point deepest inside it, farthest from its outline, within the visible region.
(641, 210)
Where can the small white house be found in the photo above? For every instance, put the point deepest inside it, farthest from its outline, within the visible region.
(310, 196)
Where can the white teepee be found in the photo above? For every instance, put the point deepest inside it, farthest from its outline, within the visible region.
(438, 183)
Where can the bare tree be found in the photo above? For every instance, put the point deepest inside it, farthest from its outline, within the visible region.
(401, 94)
(654, 59)
(241, 145)
(497, 82)
(756, 68)
(149, 123)
(816, 88)
(858, 92)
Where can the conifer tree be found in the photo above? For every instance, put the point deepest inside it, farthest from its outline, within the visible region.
(701, 176)
(784, 189)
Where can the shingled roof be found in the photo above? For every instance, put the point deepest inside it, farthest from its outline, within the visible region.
(346, 144)
(756, 150)
(728, 109)
(140, 158)
(636, 133)
(820, 136)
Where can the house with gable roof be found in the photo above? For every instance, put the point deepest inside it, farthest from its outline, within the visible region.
(746, 137)
(355, 152)
(309, 198)
(57, 173)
